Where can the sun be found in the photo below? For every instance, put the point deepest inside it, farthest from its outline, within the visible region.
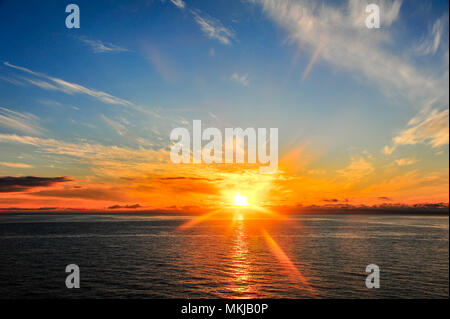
(240, 200)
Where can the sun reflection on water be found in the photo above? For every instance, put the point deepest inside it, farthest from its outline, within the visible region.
(241, 266)
(248, 243)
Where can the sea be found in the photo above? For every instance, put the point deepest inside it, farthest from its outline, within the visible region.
(183, 256)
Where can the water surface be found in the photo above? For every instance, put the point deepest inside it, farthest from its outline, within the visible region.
(145, 256)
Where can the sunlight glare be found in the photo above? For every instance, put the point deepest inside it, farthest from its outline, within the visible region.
(240, 200)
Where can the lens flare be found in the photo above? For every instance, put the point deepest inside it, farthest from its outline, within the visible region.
(286, 262)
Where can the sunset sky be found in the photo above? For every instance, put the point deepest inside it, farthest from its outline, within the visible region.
(86, 114)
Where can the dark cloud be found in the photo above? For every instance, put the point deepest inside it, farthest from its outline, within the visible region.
(27, 209)
(395, 208)
(384, 198)
(94, 193)
(331, 200)
(432, 206)
(23, 183)
(189, 178)
(125, 206)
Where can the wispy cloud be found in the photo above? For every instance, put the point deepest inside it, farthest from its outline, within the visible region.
(49, 102)
(21, 122)
(179, 3)
(349, 45)
(88, 151)
(339, 34)
(40, 83)
(430, 126)
(15, 165)
(98, 46)
(241, 79)
(357, 169)
(213, 28)
(431, 42)
(120, 129)
(12, 80)
(406, 161)
(45, 81)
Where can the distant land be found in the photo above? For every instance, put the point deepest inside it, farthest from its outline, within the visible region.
(388, 209)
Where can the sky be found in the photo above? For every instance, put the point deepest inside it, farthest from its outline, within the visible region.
(86, 114)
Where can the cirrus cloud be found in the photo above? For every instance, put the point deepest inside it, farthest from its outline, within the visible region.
(213, 28)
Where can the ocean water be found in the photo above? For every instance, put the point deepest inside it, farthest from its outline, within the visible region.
(147, 256)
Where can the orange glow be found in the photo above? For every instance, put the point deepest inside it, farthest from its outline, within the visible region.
(356, 182)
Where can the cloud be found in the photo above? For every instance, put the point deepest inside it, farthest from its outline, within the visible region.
(179, 3)
(413, 186)
(430, 44)
(430, 127)
(50, 103)
(388, 150)
(92, 192)
(41, 84)
(123, 131)
(17, 121)
(406, 161)
(119, 128)
(28, 209)
(199, 185)
(20, 184)
(339, 34)
(357, 169)
(100, 47)
(213, 28)
(241, 79)
(124, 206)
(15, 165)
(93, 152)
(12, 81)
(68, 87)
(171, 178)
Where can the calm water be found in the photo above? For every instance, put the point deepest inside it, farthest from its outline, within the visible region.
(143, 256)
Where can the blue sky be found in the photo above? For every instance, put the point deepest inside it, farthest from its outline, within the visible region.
(333, 87)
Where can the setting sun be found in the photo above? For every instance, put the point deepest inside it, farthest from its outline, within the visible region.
(240, 200)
